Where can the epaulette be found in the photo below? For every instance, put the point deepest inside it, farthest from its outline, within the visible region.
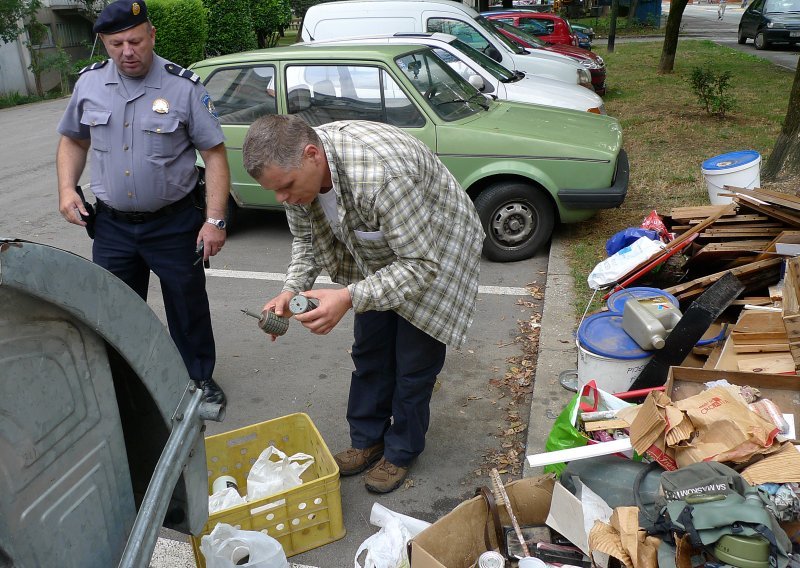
(93, 66)
(181, 72)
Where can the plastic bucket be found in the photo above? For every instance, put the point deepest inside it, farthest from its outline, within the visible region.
(608, 355)
(738, 169)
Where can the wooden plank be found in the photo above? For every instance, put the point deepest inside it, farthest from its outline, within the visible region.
(743, 231)
(695, 212)
(791, 237)
(772, 197)
(770, 211)
(766, 363)
(747, 218)
(706, 281)
(762, 348)
(791, 307)
(753, 301)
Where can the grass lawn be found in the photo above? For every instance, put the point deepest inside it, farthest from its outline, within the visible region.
(667, 134)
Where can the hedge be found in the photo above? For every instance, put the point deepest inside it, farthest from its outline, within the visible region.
(181, 29)
(231, 27)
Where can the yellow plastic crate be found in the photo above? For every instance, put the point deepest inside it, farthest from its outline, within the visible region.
(300, 518)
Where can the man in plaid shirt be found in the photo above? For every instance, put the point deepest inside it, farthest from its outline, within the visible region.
(376, 208)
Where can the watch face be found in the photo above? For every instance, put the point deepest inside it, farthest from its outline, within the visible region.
(221, 224)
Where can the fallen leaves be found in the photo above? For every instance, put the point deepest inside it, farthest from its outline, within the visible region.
(515, 389)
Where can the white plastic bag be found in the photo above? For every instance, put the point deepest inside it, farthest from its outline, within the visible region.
(224, 499)
(269, 476)
(387, 547)
(617, 265)
(227, 547)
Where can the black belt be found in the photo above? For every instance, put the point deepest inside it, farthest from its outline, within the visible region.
(137, 217)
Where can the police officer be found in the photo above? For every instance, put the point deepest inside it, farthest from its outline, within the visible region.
(143, 118)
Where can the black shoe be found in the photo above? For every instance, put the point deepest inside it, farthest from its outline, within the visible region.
(211, 392)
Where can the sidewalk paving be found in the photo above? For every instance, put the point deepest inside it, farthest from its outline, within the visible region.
(557, 350)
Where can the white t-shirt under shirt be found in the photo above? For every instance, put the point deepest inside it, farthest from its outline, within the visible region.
(328, 202)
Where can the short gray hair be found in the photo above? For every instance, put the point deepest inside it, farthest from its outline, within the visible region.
(277, 140)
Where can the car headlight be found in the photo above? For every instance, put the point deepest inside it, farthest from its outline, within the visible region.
(589, 64)
(600, 61)
(585, 78)
(776, 25)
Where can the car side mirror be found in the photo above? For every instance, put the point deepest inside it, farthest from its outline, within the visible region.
(477, 82)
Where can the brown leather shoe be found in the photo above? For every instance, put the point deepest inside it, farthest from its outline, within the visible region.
(354, 460)
(385, 477)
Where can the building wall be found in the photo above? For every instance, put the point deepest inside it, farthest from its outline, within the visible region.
(13, 72)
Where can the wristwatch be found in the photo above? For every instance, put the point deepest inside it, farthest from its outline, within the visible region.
(218, 223)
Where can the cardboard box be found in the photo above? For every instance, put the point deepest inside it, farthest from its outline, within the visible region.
(783, 390)
(457, 539)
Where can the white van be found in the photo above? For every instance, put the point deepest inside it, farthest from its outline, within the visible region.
(487, 75)
(351, 18)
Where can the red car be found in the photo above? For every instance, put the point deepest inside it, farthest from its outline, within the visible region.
(548, 27)
(591, 61)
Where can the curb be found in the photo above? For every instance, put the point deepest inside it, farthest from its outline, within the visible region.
(557, 351)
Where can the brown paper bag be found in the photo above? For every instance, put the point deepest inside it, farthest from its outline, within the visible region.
(624, 540)
(725, 429)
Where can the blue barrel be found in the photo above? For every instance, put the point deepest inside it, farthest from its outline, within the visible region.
(616, 302)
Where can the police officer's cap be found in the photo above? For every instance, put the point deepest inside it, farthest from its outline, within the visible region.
(120, 16)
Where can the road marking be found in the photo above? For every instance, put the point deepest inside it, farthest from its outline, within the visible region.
(279, 277)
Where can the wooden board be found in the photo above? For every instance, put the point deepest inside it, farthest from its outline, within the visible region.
(702, 211)
(705, 281)
(775, 363)
(791, 307)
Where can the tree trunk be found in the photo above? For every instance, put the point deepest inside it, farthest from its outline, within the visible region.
(632, 13)
(612, 30)
(784, 161)
(671, 36)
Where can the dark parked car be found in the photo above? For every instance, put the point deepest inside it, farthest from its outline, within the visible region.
(771, 21)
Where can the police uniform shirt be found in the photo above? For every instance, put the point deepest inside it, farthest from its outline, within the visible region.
(143, 144)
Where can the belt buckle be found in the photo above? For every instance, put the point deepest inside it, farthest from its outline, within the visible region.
(136, 217)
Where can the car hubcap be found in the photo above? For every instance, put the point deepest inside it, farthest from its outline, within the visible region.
(513, 223)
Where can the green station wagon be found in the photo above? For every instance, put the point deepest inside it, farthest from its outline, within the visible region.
(525, 167)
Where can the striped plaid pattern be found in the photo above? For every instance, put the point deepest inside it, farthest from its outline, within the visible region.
(411, 236)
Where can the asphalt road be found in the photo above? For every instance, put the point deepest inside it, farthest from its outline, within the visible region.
(700, 21)
(300, 372)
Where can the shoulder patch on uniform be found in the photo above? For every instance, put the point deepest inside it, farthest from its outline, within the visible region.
(93, 66)
(181, 72)
(209, 104)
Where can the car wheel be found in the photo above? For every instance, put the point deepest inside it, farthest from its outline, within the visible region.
(517, 218)
(760, 41)
(741, 37)
(231, 215)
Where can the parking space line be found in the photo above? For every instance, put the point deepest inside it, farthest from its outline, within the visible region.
(279, 277)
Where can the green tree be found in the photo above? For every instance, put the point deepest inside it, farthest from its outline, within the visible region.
(12, 12)
(230, 26)
(181, 29)
(269, 16)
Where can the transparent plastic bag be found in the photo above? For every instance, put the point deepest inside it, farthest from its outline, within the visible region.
(274, 472)
(227, 547)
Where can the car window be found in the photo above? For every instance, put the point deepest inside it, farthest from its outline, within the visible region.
(450, 96)
(783, 6)
(532, 26)
(242, 94)
(522, 34)
(500, 72)
(461, 30)
(326, 93)
(490, 28)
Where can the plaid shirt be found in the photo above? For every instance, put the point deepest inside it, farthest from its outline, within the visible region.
(411, 238)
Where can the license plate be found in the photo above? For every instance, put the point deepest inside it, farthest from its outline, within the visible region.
(794, 34)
